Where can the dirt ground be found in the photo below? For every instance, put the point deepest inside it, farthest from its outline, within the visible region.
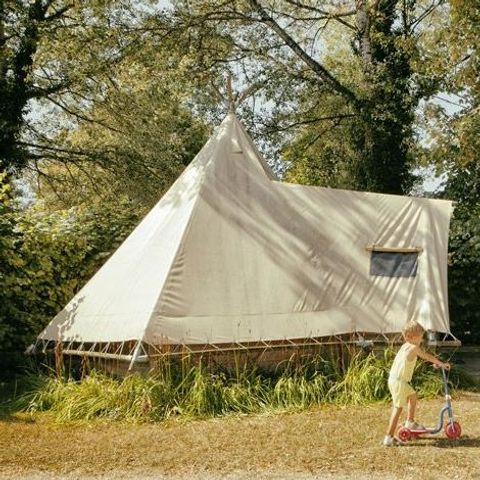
(331, 443)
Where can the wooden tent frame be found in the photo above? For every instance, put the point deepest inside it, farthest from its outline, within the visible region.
(138, 353)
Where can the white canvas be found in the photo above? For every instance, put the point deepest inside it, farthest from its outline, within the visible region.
(230, 255)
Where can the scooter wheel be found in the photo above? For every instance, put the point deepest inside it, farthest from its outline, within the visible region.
(404, 434)
(453, 430)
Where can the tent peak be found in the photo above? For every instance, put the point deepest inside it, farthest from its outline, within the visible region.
(233, 99)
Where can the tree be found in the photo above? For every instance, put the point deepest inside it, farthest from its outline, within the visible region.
(140, 134)
(52, 50)
(455, 152)
(111, 130)
(288, 39)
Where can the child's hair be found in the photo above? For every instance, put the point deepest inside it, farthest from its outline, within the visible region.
(412, 329)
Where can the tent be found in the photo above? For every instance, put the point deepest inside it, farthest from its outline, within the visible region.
(232, 257)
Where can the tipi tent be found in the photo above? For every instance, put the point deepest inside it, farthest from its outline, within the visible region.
(229, 256)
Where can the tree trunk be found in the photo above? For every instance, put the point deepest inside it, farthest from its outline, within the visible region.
(382, 103)
(15, 87)
(386, 110)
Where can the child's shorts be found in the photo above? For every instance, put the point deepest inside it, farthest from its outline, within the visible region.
(400, 391)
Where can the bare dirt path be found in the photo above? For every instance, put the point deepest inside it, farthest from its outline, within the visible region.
(330, 443)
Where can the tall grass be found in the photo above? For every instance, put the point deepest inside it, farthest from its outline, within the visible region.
(191, 391)
(364, 381)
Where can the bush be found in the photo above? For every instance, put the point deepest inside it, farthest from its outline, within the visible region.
(464, 246)
(45, 258)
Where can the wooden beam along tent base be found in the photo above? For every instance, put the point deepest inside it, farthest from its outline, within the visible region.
(231, 259)
(119, 351)
(263, 354)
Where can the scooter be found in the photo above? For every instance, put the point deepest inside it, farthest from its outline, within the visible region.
(452, 428)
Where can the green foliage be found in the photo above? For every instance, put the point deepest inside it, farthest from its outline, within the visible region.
(137, 135)
(315, 154)
(454, 150)
(366, 144)
(10, 266)
(192, 391)
(50, 51)
(384, 128)
(464, 244)
(45, 258)
(140, 152)
(428, 381)
(342, 80)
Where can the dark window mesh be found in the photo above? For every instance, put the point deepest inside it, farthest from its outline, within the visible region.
(394, 264)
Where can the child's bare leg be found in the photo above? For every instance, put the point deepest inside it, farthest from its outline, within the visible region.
(412, 404)
(394, 420)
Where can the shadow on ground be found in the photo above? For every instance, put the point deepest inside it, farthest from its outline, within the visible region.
(465, 441)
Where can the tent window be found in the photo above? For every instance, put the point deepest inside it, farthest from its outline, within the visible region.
(394, 264)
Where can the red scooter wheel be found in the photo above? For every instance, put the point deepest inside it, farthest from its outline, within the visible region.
(404, 434)
(453, 430)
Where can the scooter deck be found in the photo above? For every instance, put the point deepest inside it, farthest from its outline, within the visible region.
(425, 431)
(420, 432)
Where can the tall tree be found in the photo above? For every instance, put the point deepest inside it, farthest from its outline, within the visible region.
(288, 38)
(51, 50)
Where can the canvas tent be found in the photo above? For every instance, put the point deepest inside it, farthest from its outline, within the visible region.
(230, 256)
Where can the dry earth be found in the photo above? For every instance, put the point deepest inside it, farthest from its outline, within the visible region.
(330, 443)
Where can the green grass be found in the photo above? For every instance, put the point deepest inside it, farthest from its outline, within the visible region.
(191, 391)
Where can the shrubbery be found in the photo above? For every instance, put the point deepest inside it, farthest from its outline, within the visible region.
(464, 245)
(45, 257)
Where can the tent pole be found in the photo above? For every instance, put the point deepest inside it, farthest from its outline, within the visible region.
(135, 355)
(231, 98)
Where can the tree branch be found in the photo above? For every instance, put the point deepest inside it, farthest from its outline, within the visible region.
(58, 13)
(319, 69)
(317, 137)
(326, 14)
(82, 117)
(38, 92)
(314, 120)
(54, 149)
(429, 10)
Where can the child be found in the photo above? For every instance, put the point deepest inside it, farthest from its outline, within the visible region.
(400, 374)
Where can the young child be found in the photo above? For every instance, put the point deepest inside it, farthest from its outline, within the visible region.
(403, 394)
